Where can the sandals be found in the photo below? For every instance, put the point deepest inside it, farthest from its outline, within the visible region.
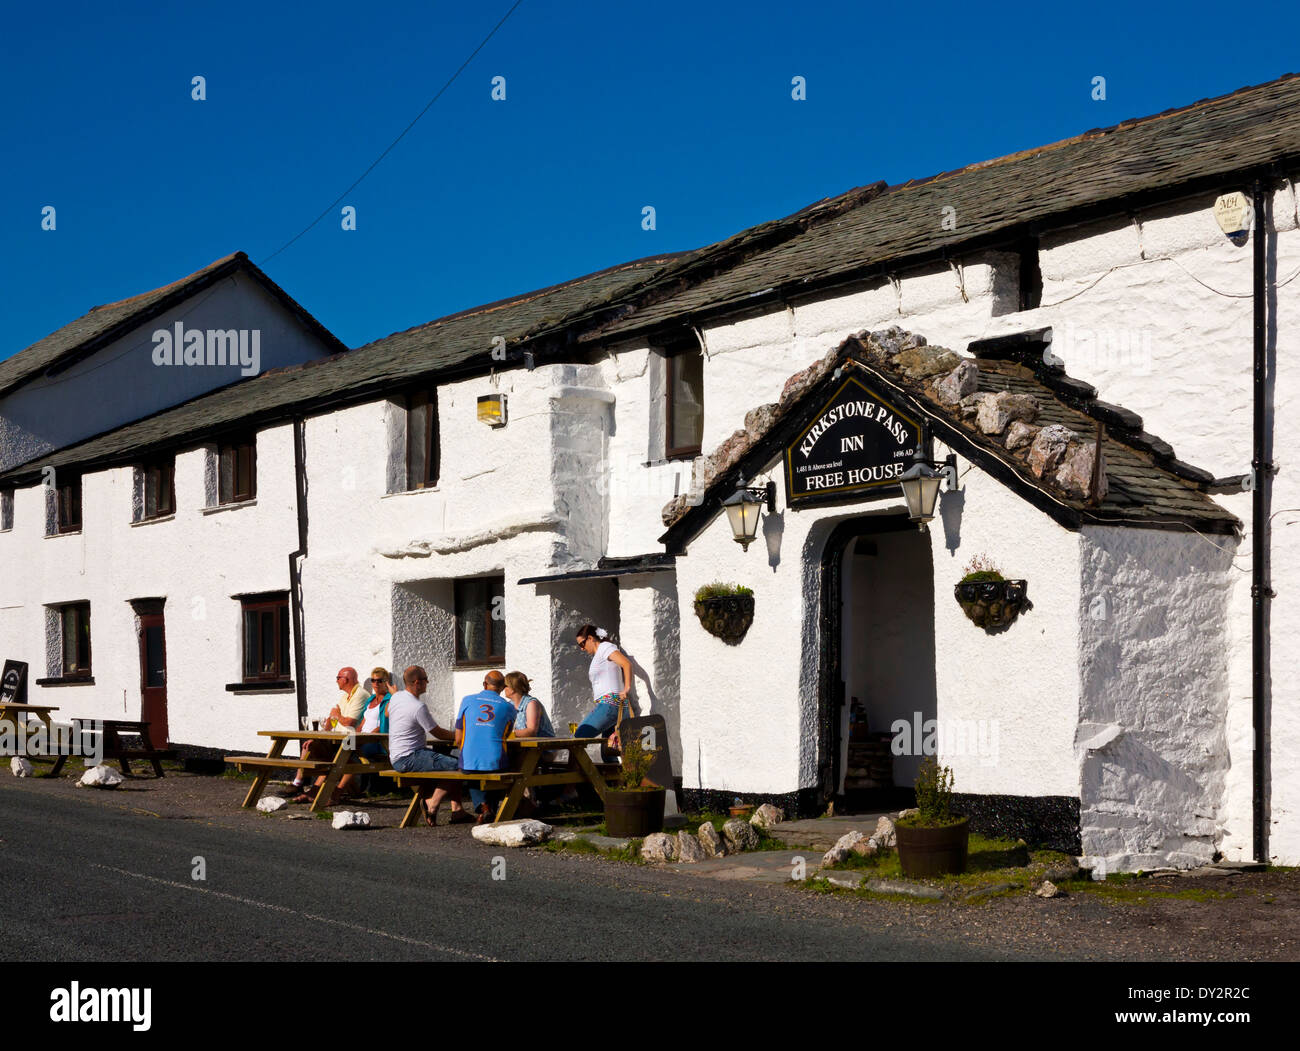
(430, 819)
(459, 817)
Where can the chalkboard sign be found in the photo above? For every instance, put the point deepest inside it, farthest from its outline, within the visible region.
(13, 683)
(854, 443)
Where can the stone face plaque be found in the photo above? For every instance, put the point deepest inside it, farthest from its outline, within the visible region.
(857, 442)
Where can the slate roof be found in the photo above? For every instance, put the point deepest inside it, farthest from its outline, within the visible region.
(368, 370)
(1191, 148)
(1145, 486)
(103, 324)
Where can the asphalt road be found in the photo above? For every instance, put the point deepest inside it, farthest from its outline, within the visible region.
(86, 882)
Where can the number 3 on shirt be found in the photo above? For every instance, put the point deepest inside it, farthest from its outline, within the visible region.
(485, 713)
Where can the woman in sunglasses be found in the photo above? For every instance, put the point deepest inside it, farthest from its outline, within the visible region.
(611, 682)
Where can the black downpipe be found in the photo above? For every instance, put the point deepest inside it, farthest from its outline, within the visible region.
(1259, 589)
(295, 572)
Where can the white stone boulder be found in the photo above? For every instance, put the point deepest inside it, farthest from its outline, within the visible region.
(711, 841)
(689, 848)
(767, 815)
(521, 833)
(885, 836)
(270, 804)
(100, 777)
(351, 819)
(1048, 889)
(659, 846)
(843, 848)
(740, 835)
(20, 767)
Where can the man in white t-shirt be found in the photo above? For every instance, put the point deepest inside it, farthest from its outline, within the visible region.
(409, 720)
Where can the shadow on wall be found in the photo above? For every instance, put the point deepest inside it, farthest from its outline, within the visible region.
(951, 505)
(424, 618)
(773, 532)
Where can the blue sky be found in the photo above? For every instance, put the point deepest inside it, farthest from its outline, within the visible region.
(609, 107)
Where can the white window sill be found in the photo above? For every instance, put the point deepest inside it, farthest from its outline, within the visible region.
(151, 521)
(412, 492)
(217, 508)
(55, 536)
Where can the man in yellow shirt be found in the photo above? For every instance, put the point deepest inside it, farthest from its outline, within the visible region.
(344, 716)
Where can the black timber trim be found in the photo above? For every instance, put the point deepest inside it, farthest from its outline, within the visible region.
(659, 562)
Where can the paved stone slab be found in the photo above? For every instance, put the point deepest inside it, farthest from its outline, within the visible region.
(760, 866)
(822, 833)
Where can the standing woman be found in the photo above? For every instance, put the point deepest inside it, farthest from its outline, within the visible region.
(611, 681)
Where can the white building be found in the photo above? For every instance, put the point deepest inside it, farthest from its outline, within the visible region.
(388, 523)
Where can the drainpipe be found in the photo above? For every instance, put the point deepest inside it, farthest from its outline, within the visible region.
(295, 571)
(1260, 592)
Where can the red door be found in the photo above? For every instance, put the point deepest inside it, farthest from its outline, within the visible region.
(153, 677)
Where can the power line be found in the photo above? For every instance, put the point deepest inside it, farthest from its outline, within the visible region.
(451, 80)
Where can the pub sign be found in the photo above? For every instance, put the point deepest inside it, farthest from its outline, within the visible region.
(857, 442)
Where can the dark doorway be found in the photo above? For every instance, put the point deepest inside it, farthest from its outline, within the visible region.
(877, 623)
(153, 670)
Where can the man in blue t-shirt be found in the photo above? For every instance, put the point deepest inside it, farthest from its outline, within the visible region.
(482, 723)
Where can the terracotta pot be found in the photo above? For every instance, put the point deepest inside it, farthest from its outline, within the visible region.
(741, 811)
(726, 617)
(924, 852)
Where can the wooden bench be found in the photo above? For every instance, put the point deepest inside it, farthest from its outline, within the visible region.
(345, 758)
(481, 780)
(112, 731)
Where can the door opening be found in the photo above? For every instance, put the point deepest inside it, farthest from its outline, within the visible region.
(153, 670)
(878, 664)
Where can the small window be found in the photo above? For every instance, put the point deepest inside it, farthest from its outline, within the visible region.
(422, 452)
(266, 636)
(68, 504)
(237, 471)
(1031, 276)
(159, 478)
(684, 390)
(480, 621)
(75, 634)
(6, 510)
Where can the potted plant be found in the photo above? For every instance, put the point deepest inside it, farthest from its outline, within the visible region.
(725, 610)
(987, 598)
(636, 806)
(932, 841)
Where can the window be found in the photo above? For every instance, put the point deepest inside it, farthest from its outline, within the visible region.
(480, 621)
(159, 482)
(422, 452)
(237, 471)
(6, 510)
(1031, 276)
(75, 633)
(266, 636)
(68, 504)
(684, 390)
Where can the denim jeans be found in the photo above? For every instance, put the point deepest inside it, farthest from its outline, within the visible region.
(599, 722)
(423, 760)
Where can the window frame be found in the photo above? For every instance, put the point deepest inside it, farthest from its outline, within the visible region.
(7, 499)
(235, 450)
(165, 468)
(1029, 292)
(673, 355)
(276, 602)
(67, 493)
(80, 612)
(496, 587)
(427, 477)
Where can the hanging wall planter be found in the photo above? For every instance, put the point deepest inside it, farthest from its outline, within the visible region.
(725, 610)
(991, 603)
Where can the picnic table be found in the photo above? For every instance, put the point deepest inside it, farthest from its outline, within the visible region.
(346, 758)
(527, 770)
(111, 732)
(16, 714)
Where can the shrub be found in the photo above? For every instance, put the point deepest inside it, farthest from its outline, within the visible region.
(979, 569)
(719, 589)
(636, 764)
(934, 793)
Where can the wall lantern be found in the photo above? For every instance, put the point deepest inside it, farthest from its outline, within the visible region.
(492, 410)
(744, 508)
(920, 484)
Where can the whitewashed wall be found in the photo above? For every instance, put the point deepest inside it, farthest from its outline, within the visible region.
(198, 560)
